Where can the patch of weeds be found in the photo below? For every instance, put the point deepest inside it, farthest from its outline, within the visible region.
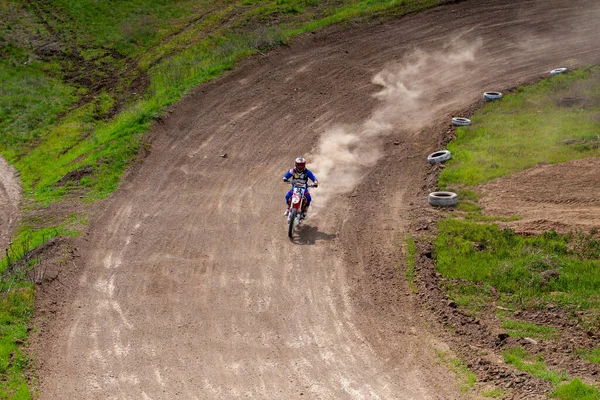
(588, 246)
(460, 369)
(479, 217)
(592, 355)
(467, 194)
(533, 365)
(410, 264)
(16, 308)
(494, 393)
(471, 298)
(526, 271)
(468, 207)
(27, 239)
(576, 390)
(30, 101)
(520, 329)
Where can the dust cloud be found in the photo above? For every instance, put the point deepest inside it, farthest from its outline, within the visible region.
(345, 152)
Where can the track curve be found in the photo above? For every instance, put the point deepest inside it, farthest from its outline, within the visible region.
(189, 286)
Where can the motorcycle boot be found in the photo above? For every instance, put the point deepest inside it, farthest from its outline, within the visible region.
(304, 212)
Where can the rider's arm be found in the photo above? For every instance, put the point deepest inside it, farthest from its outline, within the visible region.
(288, 175)
(312, 177)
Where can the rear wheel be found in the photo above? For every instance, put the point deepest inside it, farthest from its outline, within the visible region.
(291, 219)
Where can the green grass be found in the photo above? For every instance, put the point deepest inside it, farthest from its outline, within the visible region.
(576, 390)
(592, 355)
(494, 393)
(460, 369)
(471, 298)
(533, 365)
(27, 239)
(16, 307)
(514, 265)
(131, 26)
(411, 261)
(520, 329)
(528, 128)
(31, 100)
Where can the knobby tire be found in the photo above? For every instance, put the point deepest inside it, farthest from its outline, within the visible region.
(291, 220)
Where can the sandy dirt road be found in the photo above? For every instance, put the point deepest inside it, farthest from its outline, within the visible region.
(188, 286)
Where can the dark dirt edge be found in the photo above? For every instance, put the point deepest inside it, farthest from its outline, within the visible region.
(477, 340)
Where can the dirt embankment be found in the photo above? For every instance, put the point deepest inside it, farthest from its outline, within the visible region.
(10, 198)
(187, 284)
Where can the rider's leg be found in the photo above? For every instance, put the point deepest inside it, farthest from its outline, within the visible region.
(306, 203)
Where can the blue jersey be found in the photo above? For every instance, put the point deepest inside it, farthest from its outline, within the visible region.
(301, 176)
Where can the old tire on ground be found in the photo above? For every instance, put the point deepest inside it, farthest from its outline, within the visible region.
(439, 156)
(558, 71)
(489, 96)
(460, 121)
(443, 199)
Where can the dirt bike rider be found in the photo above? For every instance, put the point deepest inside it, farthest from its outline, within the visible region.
(301, 174)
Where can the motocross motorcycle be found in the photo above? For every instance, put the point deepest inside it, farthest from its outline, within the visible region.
(296, 204)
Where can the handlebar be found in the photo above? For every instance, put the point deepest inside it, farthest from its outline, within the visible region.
(312, 185)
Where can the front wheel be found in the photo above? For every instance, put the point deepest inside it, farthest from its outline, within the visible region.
(291, 219)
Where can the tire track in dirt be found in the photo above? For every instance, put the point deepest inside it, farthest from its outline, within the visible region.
(189, 287)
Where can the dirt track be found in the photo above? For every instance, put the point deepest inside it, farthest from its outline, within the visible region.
(188, 286)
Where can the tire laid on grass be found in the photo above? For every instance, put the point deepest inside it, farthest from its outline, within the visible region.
(558, 71)
(489, 96)
(460, 121)
(443, 199)
(439, 156)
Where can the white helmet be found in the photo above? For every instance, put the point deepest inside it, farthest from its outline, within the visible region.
(300, 164)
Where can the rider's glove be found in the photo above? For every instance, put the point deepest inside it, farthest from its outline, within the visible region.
(316, 184)
(286, 180)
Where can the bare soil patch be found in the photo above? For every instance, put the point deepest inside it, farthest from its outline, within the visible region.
(563, 197)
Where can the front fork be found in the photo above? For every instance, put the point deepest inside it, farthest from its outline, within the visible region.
(299, 210)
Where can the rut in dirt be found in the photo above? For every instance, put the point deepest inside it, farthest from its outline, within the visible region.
(188, 285)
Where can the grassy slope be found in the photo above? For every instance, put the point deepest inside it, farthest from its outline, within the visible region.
(506, 136)
(82, 82)
(483, 259)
